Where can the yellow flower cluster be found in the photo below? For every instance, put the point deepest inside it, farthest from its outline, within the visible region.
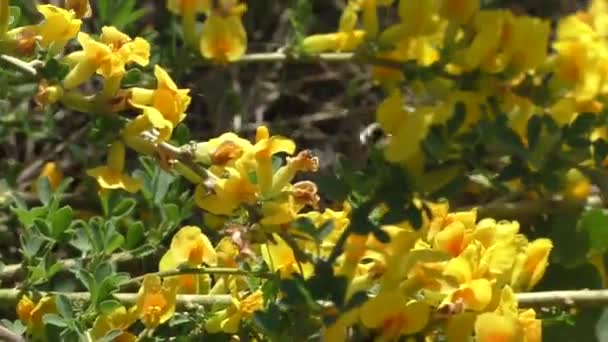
(459, 268)
(245, 177)
(223, 37)
(497, 48)
(108, 57)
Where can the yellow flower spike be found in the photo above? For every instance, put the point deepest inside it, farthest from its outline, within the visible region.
(163, 107)
(492, 327)
(228, 193)
(58, 26)
(31, 313)
(82, 8)
(118, 319)
(224, 38)
(393, 315)
(530, 267)
(53, 173)
(228, 320)
(280, 258)
(156, 300)
(459, 11)
(111, 176)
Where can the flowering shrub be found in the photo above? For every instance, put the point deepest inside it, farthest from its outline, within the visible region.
(487, 180)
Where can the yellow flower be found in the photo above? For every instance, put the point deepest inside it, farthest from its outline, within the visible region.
(58, 27)
(347, 38)
(581, 59)
(31, 313)
(53, 173)
(407, 128)
(492, 327)
(338, 42)
(229, 319)
(530, 267)
(192, 248)
(156, 300)
(181, 7)
(163, 108)
(228, 193)
(111, 175)
(224, 38)
(265, 147)
(82, 8)
(474, 291)
(106, 57)
(118, 319)
(223, 150)
(418, 17)
(189, 246)
(280, 258)
(393, 315)
(577, 186)
(459, 11)
(305, 161)
(370, 15)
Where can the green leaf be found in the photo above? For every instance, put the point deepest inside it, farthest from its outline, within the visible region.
(171, 214)
(115, 242)
(55, 319)
(306, 226)
(87, 280)
(333, 188)
(60, 221)
(64, 306)
(132, 78)
(45, 193)
(135, 236)
(457, 118)
(43, 227)
(109, 306)
(162, 181)
(124, 208)
(570, 244)
(595, 223)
